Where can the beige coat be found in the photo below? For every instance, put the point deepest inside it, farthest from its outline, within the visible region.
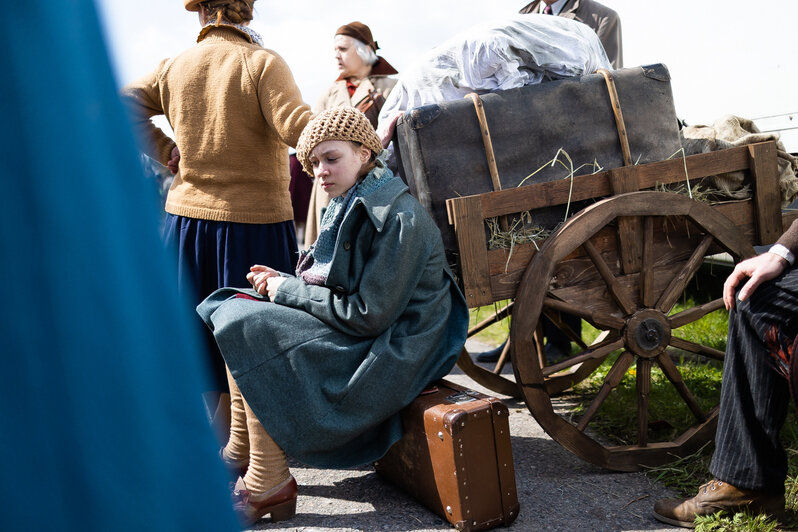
(338, 96)
(604, 21)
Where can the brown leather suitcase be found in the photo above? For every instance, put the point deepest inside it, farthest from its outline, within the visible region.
(455, 457)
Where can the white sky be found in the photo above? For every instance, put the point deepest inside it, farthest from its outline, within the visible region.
(725, 56)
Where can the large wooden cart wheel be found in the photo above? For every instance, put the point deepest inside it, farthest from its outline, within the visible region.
(615, 266)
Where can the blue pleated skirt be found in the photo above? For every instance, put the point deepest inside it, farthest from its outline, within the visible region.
(213, 255)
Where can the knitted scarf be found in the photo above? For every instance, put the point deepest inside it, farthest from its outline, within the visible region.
(314, 264)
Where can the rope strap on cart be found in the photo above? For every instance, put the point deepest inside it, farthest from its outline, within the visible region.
(616, 109)
(483, 128)
(626, 152)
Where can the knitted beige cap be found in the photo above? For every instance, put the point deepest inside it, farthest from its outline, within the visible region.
(345, 123)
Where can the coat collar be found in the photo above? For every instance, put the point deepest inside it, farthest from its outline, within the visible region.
(223, 32)
(378, 204)
(567, 9)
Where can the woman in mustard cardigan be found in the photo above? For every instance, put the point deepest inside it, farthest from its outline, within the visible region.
(234, 108)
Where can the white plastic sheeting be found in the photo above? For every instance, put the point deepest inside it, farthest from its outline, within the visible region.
(499, 55)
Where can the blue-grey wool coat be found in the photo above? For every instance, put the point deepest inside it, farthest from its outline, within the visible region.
(326, 369)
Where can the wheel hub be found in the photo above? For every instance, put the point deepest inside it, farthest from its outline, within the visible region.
(648, 333)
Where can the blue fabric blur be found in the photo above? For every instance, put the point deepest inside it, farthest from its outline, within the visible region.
(101, 421)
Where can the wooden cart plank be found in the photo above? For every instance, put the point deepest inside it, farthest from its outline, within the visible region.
(494, 275)
(766, 193)
(469, 226)
(597, 185)
(630, 229)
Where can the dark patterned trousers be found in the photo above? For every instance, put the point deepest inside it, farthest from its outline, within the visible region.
(755, 396)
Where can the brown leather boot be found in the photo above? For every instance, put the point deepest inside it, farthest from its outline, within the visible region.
(716, 496)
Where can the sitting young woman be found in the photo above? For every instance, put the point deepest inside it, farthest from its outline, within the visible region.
(326, 360)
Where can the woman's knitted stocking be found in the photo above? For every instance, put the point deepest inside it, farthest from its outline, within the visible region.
(237, 448)
(267, 464)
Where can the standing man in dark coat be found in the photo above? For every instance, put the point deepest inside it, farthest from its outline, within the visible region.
(759, 372)
(604, 21)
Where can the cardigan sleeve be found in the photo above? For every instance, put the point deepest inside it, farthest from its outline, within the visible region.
(280, 100)
(143, 101)
(790, 238)
(392, 271)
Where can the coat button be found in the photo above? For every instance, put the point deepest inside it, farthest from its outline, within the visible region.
(339, 288)
(347, 245)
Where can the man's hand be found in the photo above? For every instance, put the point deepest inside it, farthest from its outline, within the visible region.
(386, 128)
(758, 269)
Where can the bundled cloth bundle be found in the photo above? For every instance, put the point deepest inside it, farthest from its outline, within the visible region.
(728, 132)
(499, 55)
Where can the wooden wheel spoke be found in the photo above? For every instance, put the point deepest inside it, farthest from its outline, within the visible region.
(595, 351)
(618, 292)
(489, 380)
(600, 321)
(495, 318)
(674, 291)
(556, 318)
(698, 349)
(643, 390)
(614, 377)
(696, 313)
(503, 358)
(672, 372)
(647, 271)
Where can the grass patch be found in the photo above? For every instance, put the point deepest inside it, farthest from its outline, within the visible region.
(737, 523)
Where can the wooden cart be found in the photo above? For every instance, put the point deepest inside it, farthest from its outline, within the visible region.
(620, 264)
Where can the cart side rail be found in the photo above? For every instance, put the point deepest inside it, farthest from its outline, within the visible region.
(492, 275)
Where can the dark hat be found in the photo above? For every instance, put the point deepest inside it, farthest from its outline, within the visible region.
(359, 31)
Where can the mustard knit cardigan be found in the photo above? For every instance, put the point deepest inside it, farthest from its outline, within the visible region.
(234, 108)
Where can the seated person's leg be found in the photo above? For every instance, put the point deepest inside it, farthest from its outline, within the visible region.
(749, 463)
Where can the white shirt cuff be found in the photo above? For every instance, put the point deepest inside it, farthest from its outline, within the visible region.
(783, 252)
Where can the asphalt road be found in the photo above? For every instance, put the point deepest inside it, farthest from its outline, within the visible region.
(557, 491)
